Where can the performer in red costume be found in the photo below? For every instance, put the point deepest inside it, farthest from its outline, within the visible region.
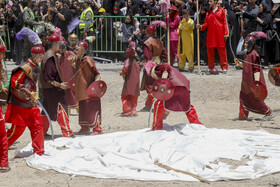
(68, 65)
(4, 165)
(153, 51)
(180, 102)
(25, 114)
(89, 109)
(54, 89)
(131, 87)
(252, 71)
(217, 34)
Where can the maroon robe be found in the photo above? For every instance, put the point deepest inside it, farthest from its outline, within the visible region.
(89, 109)
(67, 72)
(54, 95)
(246, 97)
(180, 102)
(132, 80)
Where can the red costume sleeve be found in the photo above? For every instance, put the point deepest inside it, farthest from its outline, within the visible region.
(255, 60)
(17, 78)
(148, 54)
(95, 71)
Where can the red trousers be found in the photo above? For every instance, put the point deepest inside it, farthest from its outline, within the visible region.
(222, 54)
(159, 112)
(3, 143)
(62, 120)
(150, 99)
(31, 118)
(243, 113)
(129, 104)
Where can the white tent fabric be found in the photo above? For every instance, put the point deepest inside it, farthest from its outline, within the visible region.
(192, 148)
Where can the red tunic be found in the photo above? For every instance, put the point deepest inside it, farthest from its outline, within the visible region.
(89, 109)
(246, 97)
(68, 70)
(217, 28)
(180, 102)
(132, 80)
(13, 113)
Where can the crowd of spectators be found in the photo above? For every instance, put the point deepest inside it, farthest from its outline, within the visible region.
(244, 16)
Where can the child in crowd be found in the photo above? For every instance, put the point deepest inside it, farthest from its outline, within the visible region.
(186, 45)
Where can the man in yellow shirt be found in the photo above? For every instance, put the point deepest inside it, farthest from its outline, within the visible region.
(86, 25)
(186, 45)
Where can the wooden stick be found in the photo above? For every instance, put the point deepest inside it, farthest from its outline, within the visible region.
(168, 41)
(198, 51)
(181, 171)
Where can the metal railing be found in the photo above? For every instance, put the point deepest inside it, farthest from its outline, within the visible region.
(108, 38)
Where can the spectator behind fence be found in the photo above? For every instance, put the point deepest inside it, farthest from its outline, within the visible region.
(276, 26)
(249, 18)
(60, 16)
(86, 25)
(263, 24)
(29, 22)
(127, 29)
(18, 19)
(140, 38)
(104, 27)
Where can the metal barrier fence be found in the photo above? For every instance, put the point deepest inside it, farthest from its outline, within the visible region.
(108, 34)
(108, 39)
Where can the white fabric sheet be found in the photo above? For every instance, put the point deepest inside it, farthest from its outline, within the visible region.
(193, 148)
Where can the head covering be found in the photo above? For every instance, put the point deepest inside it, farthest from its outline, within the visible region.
(101, 10)
(251, 42)
(151, 29)
(265, 7)
(130, 52)
(173, 11)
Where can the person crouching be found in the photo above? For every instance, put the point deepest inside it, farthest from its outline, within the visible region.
(180, 102)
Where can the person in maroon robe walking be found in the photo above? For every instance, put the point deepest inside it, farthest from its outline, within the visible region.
(67, 63)
(89, 109)
(179, 102)
(252, 71)
(54, 89)
(131, 87)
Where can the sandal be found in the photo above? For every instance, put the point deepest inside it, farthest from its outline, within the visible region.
(4, 169)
